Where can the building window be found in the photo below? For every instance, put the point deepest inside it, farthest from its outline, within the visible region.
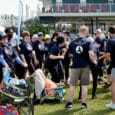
(83, 1)
(110, 1)
(59, 2)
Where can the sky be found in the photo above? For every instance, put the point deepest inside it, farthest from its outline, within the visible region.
(11, 6)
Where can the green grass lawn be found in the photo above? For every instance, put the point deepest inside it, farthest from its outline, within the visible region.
(95, 107)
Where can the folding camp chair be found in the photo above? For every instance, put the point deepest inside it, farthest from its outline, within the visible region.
(54, 90)
(18, 95)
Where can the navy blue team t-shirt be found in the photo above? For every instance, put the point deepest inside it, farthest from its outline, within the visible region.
(54, 51)
(47, 49)
(100, 42)
(79, 48)
(26, 50)
(9, 54)
(52, 43)
(111, 49)
(1, 50)
(39, 50)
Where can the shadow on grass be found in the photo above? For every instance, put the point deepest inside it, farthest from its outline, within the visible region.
(106, 97)
(105, 111)
(79, 111)
(51, 102)
(99, 90)
(63, 112)
(66, 86)
(48, 102)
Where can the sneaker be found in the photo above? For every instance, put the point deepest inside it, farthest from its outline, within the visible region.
(107, 85)
(112, 106)
(108, 104)
(68, 106)
(84, 106)
(101, 79)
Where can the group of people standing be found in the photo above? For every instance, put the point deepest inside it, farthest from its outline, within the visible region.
(34, 52)
(90, 53)
(57, 54)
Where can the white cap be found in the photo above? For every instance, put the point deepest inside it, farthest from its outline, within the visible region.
(35, 36)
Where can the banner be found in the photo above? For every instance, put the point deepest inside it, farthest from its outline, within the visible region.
(20, 15)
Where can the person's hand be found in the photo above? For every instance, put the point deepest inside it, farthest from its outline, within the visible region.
(25, 65)
(95, 62)
(98, 45)
(64, 50)
(36, 62)
(67, 45)
(70, 64)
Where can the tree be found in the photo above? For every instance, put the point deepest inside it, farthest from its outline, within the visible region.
(73, 28)
(35, 27)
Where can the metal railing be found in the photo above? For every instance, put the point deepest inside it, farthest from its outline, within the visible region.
(79, 8)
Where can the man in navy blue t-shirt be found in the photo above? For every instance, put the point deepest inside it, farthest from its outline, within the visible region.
(100, 44)
(111, 54)
(27, 52)
(38, 47)
(81, 49)
(53, 58)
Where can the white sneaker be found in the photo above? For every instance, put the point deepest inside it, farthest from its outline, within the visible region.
(112, 106)
(108, 104)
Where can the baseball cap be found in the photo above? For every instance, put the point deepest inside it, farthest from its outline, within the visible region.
(47, 37)
(35, 36)
(40, 33)
(3, 37)
(65, 31)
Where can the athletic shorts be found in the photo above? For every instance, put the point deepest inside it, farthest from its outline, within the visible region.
(81, 74)
(113, 73)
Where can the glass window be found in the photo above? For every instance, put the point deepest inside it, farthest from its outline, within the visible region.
(58, 1)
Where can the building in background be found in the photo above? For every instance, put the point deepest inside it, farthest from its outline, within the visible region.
(8, 20)
(93, 13)
(27, 12)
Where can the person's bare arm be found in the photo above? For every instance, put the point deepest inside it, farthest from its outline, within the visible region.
(107, 57)
(92, 57)
(23, 58)
(53, 57)
(35, 58)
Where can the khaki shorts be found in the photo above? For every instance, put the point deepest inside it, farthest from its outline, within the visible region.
(113, 73)
(81, 74)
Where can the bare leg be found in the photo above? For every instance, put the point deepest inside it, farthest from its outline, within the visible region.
(71, 93)
(109, 78)
(113, 90)
(84, 93)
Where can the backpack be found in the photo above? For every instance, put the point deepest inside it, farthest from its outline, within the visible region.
(8, 110)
